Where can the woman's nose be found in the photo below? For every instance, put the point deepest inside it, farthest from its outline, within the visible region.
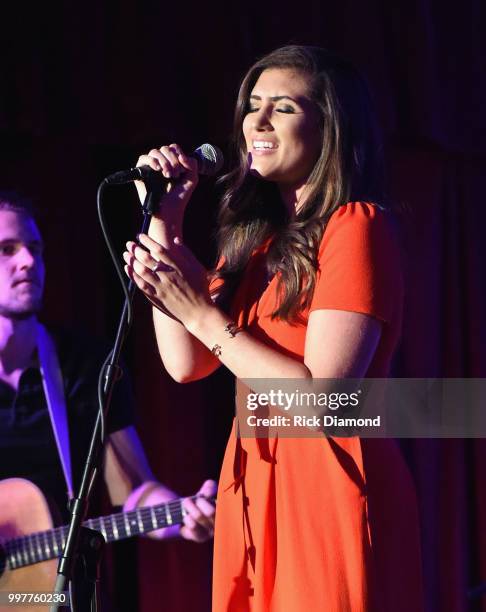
(262, 119)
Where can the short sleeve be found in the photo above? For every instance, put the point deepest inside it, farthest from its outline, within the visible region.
(359, 263)
(81, 359)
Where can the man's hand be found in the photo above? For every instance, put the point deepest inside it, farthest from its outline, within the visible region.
(199, 520)
(198, 523)
(132, 483)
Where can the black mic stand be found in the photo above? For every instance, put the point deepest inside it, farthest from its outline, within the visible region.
(79, 563)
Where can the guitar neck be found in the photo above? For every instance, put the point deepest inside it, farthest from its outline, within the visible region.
(44, 545)
(142, 520)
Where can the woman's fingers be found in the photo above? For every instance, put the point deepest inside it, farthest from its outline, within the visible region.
(157, 251)
(172, 155)
(167, 159)
(171, 168)
(141, 283)
(142, 271)
(152, 258)
(181, 172)
(154, 247)
(189, 163)
(149, 160)
(149, 273)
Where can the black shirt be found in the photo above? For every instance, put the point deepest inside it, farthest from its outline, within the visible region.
(27, 446)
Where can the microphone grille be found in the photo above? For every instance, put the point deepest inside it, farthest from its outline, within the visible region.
(210, 159)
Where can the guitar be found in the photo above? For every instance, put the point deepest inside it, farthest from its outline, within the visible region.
(29, 545)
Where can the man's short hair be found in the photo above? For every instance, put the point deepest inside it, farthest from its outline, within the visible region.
(14, 202)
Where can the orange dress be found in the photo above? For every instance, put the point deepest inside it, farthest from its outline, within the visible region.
(326, 524)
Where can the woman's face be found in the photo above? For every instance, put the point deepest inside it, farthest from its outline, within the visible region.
(281, 128)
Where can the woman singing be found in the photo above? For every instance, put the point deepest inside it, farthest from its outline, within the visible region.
(308, 286)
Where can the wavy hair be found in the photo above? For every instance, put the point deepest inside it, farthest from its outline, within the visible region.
(349, 168)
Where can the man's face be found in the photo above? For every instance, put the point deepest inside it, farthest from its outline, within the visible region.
(22, 269)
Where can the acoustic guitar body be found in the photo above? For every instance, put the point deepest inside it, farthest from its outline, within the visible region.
(30, 546)
(23, 510)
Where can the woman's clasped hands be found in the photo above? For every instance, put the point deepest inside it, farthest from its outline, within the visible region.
(172, 279)
(161, 266)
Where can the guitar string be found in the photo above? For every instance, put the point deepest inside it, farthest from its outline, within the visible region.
(12, 546)
(28, 545)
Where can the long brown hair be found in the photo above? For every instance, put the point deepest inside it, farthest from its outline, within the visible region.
(349, 168)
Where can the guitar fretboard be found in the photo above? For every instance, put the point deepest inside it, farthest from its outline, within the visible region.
(43, 545)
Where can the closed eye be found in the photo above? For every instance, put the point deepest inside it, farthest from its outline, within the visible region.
(289, 110)
(285, 109)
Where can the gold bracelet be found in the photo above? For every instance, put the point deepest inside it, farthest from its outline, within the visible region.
(232, 329)
(216, 350)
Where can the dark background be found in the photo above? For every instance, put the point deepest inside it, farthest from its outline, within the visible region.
(87, 87)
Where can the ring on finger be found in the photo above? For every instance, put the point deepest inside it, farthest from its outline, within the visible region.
(160, 266)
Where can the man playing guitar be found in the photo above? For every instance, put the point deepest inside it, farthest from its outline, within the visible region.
(27, 445)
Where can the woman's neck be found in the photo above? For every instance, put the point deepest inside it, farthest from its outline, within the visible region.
(293, 196)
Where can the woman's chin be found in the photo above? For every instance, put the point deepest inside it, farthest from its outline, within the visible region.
(261, 174)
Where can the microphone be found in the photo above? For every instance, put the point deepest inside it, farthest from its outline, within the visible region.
(209, 162)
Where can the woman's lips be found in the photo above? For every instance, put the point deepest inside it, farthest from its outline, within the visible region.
(263, 147)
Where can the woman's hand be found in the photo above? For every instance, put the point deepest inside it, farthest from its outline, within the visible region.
(172, 279)
(173, 164)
